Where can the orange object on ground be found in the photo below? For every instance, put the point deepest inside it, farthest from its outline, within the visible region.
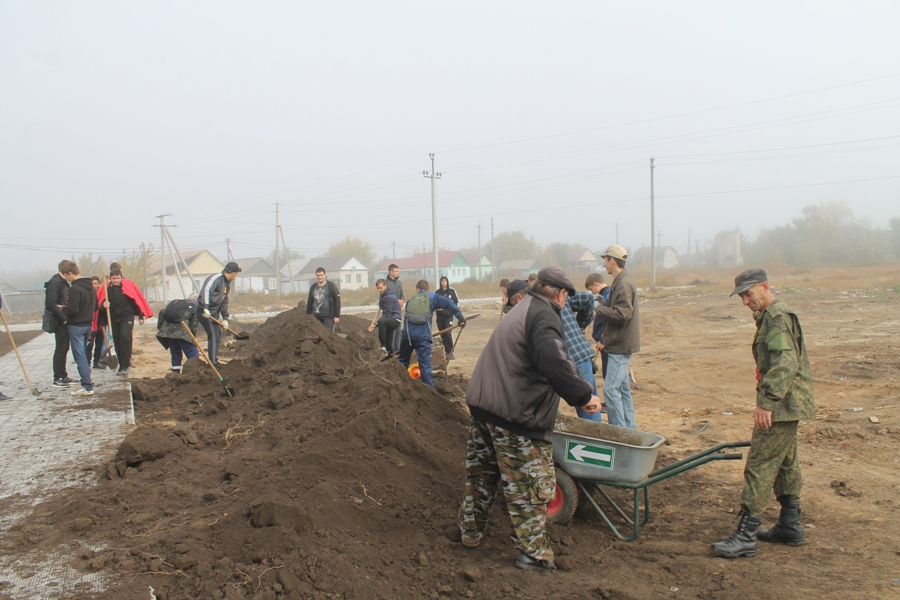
(414, 371)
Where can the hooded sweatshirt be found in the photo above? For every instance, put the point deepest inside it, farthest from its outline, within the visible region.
(82, 302)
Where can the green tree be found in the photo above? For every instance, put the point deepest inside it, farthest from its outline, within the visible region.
(511, 245)
(138, 265)
(356, 247)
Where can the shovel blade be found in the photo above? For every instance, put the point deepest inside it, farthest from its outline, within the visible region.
(242, 335)
(112, 361)
(229, 391)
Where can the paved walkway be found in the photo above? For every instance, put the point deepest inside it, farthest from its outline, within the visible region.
(48, 443)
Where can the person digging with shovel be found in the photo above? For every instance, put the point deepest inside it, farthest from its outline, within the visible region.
(213, 302)
(172, 335)
(416, 334)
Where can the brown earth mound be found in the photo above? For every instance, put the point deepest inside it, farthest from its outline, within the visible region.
(330, 474)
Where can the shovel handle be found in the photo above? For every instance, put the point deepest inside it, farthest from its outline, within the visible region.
(220, 324)
(202, 352)
(34, 392)
(452, 327)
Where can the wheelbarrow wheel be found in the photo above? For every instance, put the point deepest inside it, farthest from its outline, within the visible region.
(564, 503)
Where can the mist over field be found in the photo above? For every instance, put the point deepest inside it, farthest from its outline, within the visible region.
(232, 118)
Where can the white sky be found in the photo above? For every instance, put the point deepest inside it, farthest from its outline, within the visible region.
(542, 115)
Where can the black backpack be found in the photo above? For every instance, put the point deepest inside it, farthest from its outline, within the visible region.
(176, 309)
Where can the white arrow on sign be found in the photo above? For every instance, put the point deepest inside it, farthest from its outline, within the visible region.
(582, 454)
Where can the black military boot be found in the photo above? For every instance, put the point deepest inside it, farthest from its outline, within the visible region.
(788, 530)
(742, 542)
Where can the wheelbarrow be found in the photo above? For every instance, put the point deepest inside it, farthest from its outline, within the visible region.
(589, 456)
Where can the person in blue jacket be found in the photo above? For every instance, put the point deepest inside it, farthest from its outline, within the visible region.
(416, 334)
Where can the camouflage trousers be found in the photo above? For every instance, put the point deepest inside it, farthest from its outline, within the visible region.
(523, 468)
(771, 464)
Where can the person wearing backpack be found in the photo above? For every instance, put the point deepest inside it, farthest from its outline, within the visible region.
(416, 333)
(171, 334)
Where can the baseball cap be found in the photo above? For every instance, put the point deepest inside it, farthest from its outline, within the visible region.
(747, 280)
(232, 267)
(615, 251)
(515, 286)
(556, 277)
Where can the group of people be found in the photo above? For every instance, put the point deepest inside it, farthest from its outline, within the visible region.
(536, 356)
(77, 311)
(529, 364)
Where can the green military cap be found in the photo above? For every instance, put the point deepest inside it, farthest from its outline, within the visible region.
(747, 280)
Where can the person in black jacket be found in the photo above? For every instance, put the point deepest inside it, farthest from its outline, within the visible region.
(444, 318)
(213, 302)
(55, 297)
(513, 398)
(79, 312)
(324, 301)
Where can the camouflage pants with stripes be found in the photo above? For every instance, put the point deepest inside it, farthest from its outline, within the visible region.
(771, 464)
(523, 468)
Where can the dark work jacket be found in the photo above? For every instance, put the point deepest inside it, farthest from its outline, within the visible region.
(621, 317)
(174, 330)
(334, 300)
(450, 294)
(56, 294)
(524, 369)
(214, 296)
(395, 286)
(389, 305)
(82, 302)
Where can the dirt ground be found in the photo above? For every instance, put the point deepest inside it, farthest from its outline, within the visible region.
(19, 337)
(333, 475)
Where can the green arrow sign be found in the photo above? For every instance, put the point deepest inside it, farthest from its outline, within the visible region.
(598, 456)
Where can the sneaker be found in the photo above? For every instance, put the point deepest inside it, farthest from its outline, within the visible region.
(532, 564)
(60, 383)
(4, 396)
(68, 380)
(83, 392)
(450, 356)
(97, 367)
(123, 372)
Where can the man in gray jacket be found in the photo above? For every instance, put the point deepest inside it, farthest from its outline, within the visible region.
(621, 338)
(513, 398)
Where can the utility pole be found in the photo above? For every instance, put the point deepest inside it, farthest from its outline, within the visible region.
(479, 250)
(228, 249)
(617, 234)
(394, 250)
(277, 252)
(652, 234)
(493, 251)
(434, 177)
(162, 252)
(287, 260)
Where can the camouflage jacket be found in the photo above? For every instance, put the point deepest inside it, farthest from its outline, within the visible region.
(785, 379)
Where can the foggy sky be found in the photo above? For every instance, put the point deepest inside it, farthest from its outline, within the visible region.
(543, 116)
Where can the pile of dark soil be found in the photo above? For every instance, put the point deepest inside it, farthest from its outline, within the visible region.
(331, 475)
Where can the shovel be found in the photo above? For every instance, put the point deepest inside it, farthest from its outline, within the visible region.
(238, 335)
(34, 391)
(229, 391)
(451, 328)
(112, 361)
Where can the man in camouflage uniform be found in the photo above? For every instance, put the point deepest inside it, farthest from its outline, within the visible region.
(784, 395)
(513, 398)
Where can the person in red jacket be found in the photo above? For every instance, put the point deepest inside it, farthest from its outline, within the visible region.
(125, 302)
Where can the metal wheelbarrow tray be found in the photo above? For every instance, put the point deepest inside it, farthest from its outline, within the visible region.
(589, 455)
